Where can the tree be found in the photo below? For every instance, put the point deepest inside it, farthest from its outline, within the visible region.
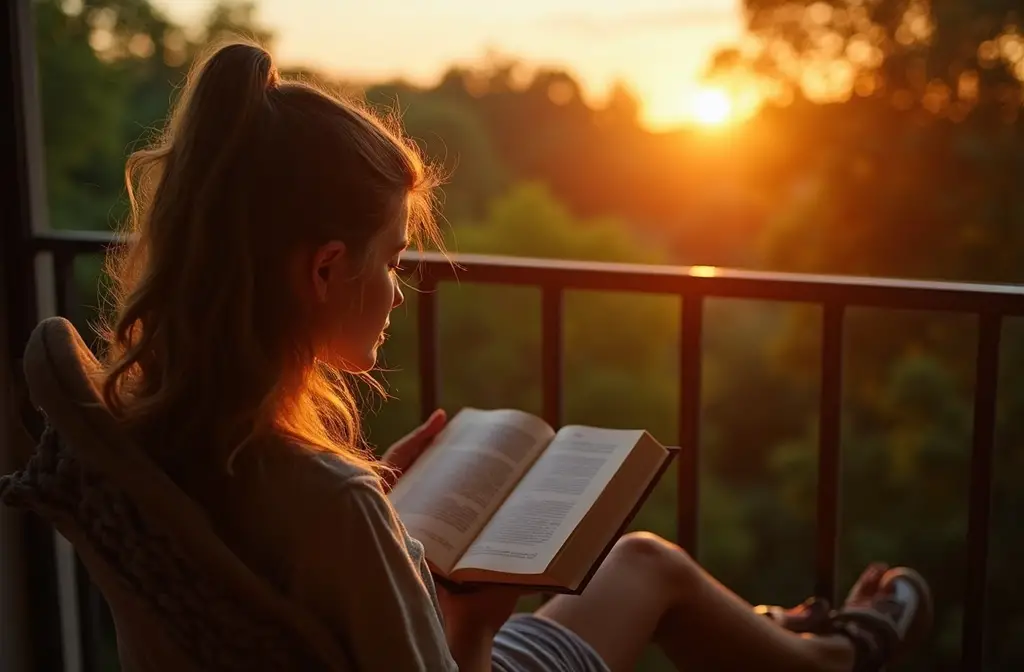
(454, 137)
(948, 56)
(908, 167)
(119, 61)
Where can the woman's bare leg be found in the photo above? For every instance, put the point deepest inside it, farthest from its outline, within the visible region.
(649, 589)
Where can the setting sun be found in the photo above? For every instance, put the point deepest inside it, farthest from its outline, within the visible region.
(712, 107)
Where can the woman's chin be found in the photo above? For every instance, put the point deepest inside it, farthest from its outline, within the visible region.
(354, 364)
(363, 364)
(355, 360)
(359, 367)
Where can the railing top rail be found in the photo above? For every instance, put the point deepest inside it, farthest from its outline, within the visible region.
(709, 281)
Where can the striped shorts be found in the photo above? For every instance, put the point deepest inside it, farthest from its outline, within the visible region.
(529, 643)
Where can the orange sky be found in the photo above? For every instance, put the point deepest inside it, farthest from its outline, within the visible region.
(658, 47)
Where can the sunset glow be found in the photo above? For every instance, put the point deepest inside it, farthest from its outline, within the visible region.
(712, 107)
(703, 271)
(658, 48)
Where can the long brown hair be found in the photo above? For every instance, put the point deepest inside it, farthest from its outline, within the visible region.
(207, 343)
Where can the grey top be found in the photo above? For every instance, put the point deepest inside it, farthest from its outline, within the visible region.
(324, 532)
(315, 527)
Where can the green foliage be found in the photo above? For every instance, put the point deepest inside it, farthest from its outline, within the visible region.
(502, 367)
(107, 73)
(83, 148)
(454, 137)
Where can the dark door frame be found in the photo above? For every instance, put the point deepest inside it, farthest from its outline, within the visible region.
(30, 614)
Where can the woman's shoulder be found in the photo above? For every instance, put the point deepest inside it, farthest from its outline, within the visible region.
(305, 471)
(324, 490)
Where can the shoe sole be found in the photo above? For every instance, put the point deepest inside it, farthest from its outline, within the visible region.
(921, 623)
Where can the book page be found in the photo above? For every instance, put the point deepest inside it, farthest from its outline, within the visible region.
(534, 522)
(451, 491)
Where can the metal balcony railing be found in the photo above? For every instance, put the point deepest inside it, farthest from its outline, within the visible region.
(990, 304)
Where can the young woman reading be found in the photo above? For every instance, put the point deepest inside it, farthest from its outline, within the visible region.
(268, 225)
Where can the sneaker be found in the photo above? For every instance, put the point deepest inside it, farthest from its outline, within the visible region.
(887, 612)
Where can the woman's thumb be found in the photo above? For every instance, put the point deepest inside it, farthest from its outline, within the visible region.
(433, 424)
(424, 432)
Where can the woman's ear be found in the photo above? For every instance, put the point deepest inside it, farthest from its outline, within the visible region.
(327, 262)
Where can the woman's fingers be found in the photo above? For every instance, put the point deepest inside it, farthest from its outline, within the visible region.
(406, 450)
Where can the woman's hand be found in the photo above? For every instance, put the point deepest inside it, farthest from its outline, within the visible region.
(486, 608)
(472, 619)
(407, 450)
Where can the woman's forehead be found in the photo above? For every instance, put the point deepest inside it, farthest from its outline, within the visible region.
(395, 232)
(399, 225)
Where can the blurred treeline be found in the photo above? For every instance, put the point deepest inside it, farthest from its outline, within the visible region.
(891, 146)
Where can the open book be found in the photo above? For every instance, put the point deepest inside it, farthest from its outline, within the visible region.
(500, 497)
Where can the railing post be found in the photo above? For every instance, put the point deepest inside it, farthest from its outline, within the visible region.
(30, 637)
(92, 609)
(426, 305)
(551, 354)
(64, 285)
(978, 526)
(688, 495)
(829, 462)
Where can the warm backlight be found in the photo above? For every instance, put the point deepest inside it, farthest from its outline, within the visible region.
(703, 271)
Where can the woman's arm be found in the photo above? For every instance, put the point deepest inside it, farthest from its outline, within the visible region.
(353, 570)
(472, 619)
(471, 649)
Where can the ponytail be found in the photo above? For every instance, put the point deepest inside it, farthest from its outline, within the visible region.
(226, 92)
(191, 195)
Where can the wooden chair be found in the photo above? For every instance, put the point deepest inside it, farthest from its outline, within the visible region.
(180, 599)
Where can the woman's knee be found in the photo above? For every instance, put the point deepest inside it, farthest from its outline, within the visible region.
(657, 557)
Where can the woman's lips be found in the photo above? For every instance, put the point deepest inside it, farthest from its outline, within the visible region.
(384, 332)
